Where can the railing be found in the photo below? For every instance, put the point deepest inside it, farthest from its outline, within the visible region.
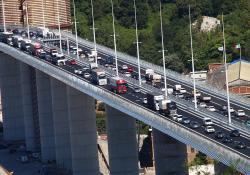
(171, 74)
(182, 133)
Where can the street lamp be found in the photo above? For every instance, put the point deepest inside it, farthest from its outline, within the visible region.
(114, 35)
(74, 7)
(163, 55)
(226, 74)
(27, 20)
(59, 25)
(93, 27)
(192, 56)
(137, 47)
(3, 12)
(43, 15)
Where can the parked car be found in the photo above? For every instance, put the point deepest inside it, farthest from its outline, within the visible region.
(219, 135)
(209, 129)
(235, 133)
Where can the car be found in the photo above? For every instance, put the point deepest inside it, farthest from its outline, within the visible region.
(188, 97)
(219, 135)
(85, 69)
(194, 124)
(178, 94)
(130, 69)
(239, 113)
(72, 62)
(202, 104)
(78, 71)
(145, 100)
(143, 80)
(124, 67)
(185, 120)
(183, 90)
(241, 145)
(224, 108)
(227, 139)
(207, 121)
(247, 123)
(137, 89)
(235, 133)
(209, 129)
(86, 75)
(211, 108)
(174, 117)
(127, 74)
(178, 118)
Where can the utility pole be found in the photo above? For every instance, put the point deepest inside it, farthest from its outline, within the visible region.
(226, 74)
(163, 55)
(77, 54)
(192, 55)
(137, 47)
(3, 12)
(93, 27)
(114, 35)
(59, 25)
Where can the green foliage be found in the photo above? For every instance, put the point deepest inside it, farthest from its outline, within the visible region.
(176, 29)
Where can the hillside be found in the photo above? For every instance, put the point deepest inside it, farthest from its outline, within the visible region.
(176, 29)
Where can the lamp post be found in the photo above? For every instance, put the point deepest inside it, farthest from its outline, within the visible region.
(43, 15)
(114, 35)
(59, 26)
(192, 56)
(3, 13)
(74, 8)
(226, 74)
(93, 28)
(163, 55)
(27, 20)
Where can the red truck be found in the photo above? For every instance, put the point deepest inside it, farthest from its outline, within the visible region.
(35, 48)
(118, 85)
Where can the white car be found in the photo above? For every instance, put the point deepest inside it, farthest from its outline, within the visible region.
(209, 129)
(127, 74)
(211, 108)
(78, 71)
(240, 113)
(225, 109)
(178, 118)
(124, 67)
(86, 75)
(183, 90)
(145, 100)
(207, 121)
(203, 105)
(174, 117)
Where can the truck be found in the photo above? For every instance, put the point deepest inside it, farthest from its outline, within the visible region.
(25, 45)
(153, 100)
(205, 99)
(108, 61)
(98, 77)
(59, 59)
(16, 41)
(53, 52)
(6, 37)
(92, 55)
(177, 87)
(155, 78)
(34, 48)
(118, 85)
(93, 65)
(148, 72)
(168, 107)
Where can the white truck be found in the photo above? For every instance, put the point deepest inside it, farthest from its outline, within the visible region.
(167, 107)
(59, 59)
(98, 77)
(177, 87)
(154, 100)
(92, 55)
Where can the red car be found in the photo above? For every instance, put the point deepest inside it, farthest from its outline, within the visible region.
(130, 69)
(72, 62)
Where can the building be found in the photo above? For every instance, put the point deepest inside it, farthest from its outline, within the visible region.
(15, 12)
(238, 77)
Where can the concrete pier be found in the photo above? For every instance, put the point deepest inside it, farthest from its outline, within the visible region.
(170, 155)
(83, 136)
(61, 123)
(12, 108)
(26, 87)
(122, 143)
(45, 116)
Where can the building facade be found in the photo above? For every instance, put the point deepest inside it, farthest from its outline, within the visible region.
(15, 12)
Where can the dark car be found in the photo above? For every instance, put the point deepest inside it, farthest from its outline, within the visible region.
(227, 139)
(241, 145)
(16, 31)
(235, 133)
(219, 135)
(185, 120)
(194, 124)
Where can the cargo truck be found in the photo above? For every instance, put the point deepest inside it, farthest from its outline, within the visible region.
(98, 77)
(118, 85)
(168, 107)
(34, 48)
(153, 100)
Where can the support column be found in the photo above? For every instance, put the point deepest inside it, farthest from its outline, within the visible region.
(61, 123)
(83, 136)
(13, 121)
(27, 106)
(122, 143)
(170, 155)
(45, 116)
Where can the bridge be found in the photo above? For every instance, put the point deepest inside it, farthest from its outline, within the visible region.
(53, 110)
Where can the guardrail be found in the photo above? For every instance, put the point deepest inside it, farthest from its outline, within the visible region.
(171, 74)
(190, 137)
